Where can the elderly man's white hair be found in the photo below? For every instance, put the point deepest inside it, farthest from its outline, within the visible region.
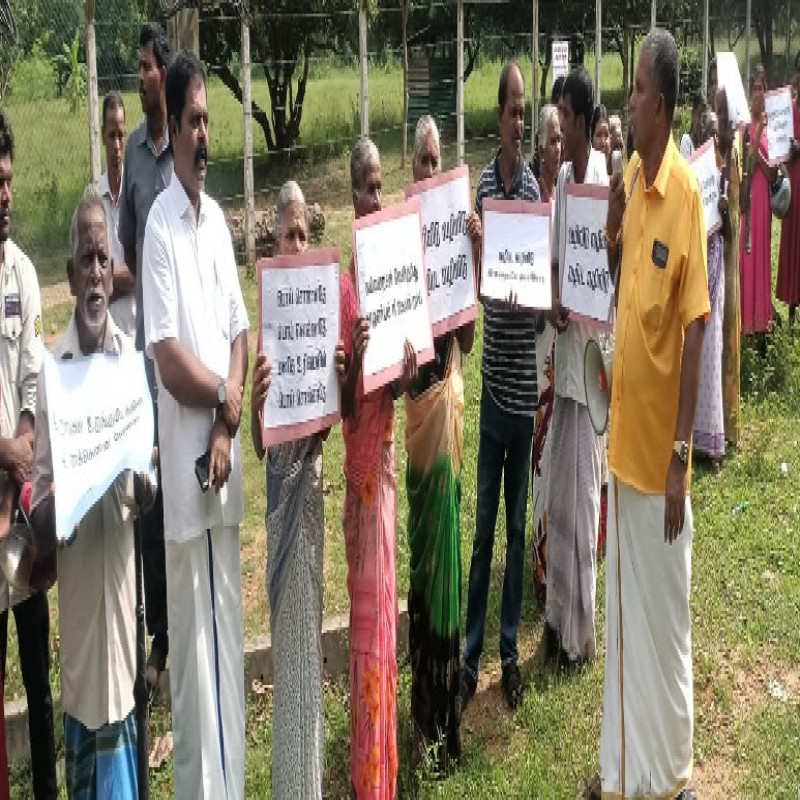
(90, 199)
(425, 125)
(364, 153)
(547, 116)
(290, 193)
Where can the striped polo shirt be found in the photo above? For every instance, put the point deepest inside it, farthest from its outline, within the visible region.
(508, 365)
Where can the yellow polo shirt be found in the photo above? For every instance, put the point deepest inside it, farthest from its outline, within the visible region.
(663, 288)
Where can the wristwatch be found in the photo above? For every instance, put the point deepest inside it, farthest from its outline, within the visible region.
(681, 449)
(222, 393)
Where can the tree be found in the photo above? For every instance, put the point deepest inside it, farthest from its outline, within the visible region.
(284, 36)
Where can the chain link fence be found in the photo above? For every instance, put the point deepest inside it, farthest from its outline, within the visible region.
(306, 87)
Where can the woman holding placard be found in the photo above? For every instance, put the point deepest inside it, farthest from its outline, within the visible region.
(435, 442)
(295, 531)
(709, 425)
(788, 289)
(370, 524)
(756, 236)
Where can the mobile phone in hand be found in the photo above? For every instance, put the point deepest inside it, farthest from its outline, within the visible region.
(201, 470)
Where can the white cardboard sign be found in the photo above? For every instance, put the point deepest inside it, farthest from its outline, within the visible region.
(729, 78)
(560, 59)
(445, 205)
(586, 286)
(100, 418)
(299, 329)
(516, 252)
(704, 165)
(392, 291)
(780, 124)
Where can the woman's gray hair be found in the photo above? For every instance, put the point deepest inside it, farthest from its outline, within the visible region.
(364, 153)
(547, 116)
(290, 193)
(90, 199)
(425, 125)
(661, 45)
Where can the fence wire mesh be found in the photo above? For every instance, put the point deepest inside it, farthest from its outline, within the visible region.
(305, 82)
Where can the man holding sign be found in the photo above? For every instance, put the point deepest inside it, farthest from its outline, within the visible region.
(196, 329)
(573, 497)
(96, 572)
(508, 406)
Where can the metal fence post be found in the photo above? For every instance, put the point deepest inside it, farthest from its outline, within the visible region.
(747, 26)
(362, 58)
(534, 75)
(598, 46)
(247, 127)
(94, 114)
(711, 100)
(652, 14)
(460, 81)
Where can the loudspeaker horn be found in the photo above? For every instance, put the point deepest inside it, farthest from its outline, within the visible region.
(597, 374)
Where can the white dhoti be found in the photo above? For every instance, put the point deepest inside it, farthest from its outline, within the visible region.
(648, 712)
(573, 511)
(206, 676)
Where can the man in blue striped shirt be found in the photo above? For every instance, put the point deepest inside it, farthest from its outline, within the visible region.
(508, 403)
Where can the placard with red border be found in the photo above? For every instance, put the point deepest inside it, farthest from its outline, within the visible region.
(528, 218)
(388, 245)
(454, 256)
(324, 259)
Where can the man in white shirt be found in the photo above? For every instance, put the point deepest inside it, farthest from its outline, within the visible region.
(573, 498)
(123, 299)
(96, 571)
(195, 325)
(20, 362)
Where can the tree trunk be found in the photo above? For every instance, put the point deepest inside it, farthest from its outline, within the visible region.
(625, 81)
(763, 20)
(404, 148)
(548, 58)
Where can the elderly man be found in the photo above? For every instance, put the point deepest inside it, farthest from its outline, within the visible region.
(96, 572)
(148, 170)
(123, 304)
(196, 329)
(508, 405)
(573, 497)
(656, 240)
(20, 361)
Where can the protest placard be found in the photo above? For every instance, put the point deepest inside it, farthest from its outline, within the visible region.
(729, 78)
(516, 252)
(780, 124)
(586, 286)
(445, 205)
(392, 295)
(100, 418)
(560, 58)
(298, 329)
(704, 165)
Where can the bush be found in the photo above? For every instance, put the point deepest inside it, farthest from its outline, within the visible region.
(34, 77)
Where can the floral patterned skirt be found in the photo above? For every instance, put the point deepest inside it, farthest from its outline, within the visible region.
(370, 530)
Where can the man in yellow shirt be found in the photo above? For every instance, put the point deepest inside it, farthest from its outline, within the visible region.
(656, 239)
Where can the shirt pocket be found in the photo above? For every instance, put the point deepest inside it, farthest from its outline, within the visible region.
(11, 328)
(651, 292)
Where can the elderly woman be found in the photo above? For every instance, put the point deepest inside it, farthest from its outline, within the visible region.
(709, 423)
(549, 145)
(756, 236)
(295, 530)
(370, 524)
(435, 443)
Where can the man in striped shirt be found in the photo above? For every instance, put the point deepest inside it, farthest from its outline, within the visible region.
(508, 403)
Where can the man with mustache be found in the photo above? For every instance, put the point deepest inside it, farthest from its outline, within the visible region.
(508, 405)
(20, 362)
(96, 571)
(195, 325)
(148, 170)
(123, 304)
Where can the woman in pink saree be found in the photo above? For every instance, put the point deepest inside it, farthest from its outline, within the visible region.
(370, 525)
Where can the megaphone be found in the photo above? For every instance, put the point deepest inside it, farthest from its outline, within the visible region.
(597, 374)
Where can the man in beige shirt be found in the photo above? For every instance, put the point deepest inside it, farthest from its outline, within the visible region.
(96, 571)
(20, 360)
